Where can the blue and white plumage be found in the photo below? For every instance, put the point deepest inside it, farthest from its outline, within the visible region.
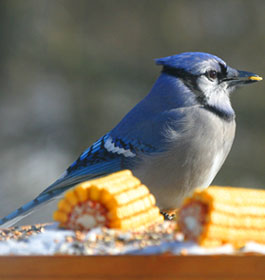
(174, 140)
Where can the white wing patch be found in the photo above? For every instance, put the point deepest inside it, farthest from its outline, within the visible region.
(110, 147)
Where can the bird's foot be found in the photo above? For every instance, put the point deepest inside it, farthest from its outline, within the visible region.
(169, 215)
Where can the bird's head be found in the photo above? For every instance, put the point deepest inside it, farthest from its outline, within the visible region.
(207, 76)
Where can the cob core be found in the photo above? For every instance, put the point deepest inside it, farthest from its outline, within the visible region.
(117, 201)
(220, 215)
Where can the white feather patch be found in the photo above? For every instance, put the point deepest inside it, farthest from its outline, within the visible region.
(217, 95)
(110, 147)
(216, 165)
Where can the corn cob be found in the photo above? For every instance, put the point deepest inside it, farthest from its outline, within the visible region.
(220, 215)
(116, 201)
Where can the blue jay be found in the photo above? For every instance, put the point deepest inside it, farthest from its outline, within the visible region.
(175, 140)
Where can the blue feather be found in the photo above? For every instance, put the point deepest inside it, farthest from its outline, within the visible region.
(187, 60)
(25, 210)
(94, 162)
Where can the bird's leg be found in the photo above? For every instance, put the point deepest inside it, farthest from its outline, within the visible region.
(169, 214)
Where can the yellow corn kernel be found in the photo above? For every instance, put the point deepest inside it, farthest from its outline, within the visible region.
(118, 185)
(127, 210)
(81, 193)
(138, 220)
(60, 216)
(127, 196)
(118, 181)
(117, 201)
(64, 206)
(220, 215)
(94, 193)
(71, 197)
(105, 196)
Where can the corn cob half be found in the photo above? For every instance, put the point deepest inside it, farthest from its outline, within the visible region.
(116, 201)
(220, 215)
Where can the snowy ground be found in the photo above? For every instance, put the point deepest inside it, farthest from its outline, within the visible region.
(101, 241)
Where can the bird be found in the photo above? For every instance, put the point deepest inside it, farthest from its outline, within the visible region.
(174, 140)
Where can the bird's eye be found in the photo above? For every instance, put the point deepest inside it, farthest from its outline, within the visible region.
(212, 74)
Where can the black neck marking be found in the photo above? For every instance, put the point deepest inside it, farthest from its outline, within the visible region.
(227, 116)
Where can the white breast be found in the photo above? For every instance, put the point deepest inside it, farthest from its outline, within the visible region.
(216, 165)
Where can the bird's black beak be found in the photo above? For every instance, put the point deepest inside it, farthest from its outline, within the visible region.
(248, 77)
(238, 78)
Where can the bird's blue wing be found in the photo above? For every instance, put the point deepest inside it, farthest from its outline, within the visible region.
(107, 155)
(96, 161)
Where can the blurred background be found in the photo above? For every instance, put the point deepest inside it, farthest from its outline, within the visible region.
(70, 70)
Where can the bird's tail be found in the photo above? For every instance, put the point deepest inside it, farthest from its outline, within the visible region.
(26, 209)
(65, 182)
